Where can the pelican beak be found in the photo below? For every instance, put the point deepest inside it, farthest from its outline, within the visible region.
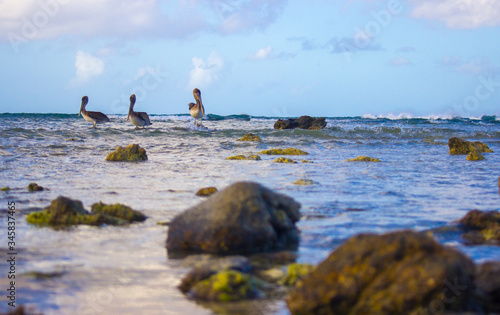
(128, 117)
(202, 108)
(80, 113)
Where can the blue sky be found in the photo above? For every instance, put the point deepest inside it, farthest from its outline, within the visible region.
(263, 58)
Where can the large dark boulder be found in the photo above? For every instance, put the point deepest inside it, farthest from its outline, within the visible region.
(488, 285)
(244, 218)
(402, 272)
(303, 122)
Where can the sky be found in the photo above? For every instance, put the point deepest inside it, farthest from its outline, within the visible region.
(286, 58)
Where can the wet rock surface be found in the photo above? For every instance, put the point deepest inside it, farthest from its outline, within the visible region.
(244, 218)
(481, 227)
(303, 122)
(131, 153)
(396, 273)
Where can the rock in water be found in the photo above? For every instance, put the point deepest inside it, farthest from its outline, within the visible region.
(249, 137)
(131, 153)
(206, 191)
(460, 146)
(396, 273)
(481, 227)
(304, 122)
(244, 218)
(35, 187)
(363, 159)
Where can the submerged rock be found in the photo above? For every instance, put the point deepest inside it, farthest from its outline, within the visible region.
(295, 272)
(120, 211)
(460, 146)
(475, 155)
(35, 187)
(284, 160)
(288, 151)
(131, 153)
(488, 285)
(249, 137)
(303, 122)
(363, 159)
(481, 227)
(244, 218)
(242, 157)
(64, 211)
(396, 273)
(207, 191)
(304, 181)
(6, 188)
(225, 286)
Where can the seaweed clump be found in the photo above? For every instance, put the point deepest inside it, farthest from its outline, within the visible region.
(363, 159)
(64, 211)
(288, 151)
(131, 153)
(250, 137)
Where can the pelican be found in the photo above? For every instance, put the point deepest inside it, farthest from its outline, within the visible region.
(139, 119)
(94, 117)
(197, 110)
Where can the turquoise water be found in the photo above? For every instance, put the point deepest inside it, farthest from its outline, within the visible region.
(418, 185)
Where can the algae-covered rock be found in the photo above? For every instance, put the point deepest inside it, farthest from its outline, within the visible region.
(488, 285)
(35, 187)
(244, 218)
(303, 122)
(64, 211)
(401, 272)
(6, 188)
(284, 160)
(304, 181)
(460, 146)
(475, 155)
(131, 153)
(306, 161)
(481, 227)
(363, 159)
(242, 157)
(288, 151)
(225, 286)
(118, 210)
(250, 137)
(296, 272)
(206, 191)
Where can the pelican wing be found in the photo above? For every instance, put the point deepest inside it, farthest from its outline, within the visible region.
(98, 116)
(144, 116)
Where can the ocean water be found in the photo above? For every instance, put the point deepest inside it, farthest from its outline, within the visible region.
(111, 270)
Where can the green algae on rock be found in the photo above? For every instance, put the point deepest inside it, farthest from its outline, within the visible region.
(206, 191)
(119, 211)
(402, 272)
(296, 272)
(243, 157)
(225, 286)
(306, 161)
(460, 146)
(475, 155)
(64, 211)
(288, 151)
(131, 153)
(250, 137)
(481, 227)
(284, 160)
(35, 187)
(304, 181)
(363, 159)
(6, 188)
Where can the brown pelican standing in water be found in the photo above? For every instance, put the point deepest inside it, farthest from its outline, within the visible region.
(93, 117)
(139, 119)
(197, 110)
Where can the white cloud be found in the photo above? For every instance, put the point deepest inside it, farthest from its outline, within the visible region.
(205, 72)
(22, 21)
(459, 14)
(87, 67)
(262, 53)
